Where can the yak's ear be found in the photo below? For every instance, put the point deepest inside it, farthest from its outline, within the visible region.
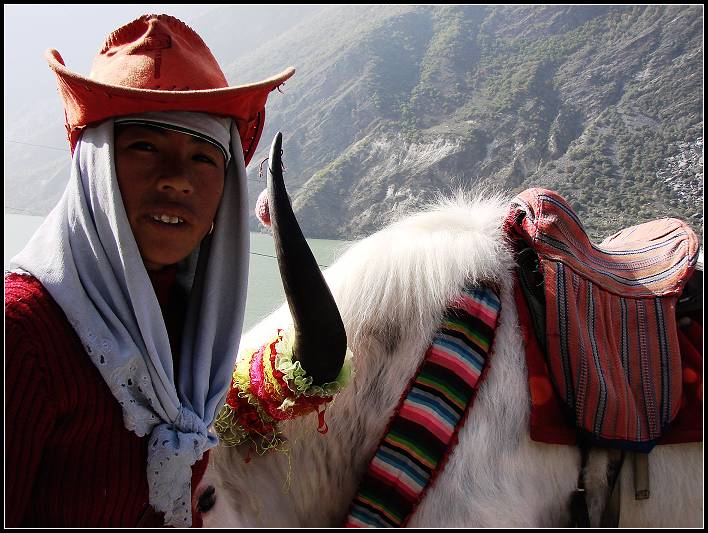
(320, 339)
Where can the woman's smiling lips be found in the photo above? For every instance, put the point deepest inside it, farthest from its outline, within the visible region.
(167, 219)
(170, 215)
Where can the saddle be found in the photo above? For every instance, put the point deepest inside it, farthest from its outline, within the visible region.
(606, 357)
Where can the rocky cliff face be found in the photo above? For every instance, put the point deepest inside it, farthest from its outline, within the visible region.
(393, 105)
(600, 103)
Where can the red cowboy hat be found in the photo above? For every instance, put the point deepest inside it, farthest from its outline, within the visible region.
(158, 63)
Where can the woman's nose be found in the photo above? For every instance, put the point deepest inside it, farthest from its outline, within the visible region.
(175, 176)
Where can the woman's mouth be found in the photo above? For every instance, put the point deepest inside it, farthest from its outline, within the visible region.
(167, 219)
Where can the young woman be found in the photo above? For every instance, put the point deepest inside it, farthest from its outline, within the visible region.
(124, 312)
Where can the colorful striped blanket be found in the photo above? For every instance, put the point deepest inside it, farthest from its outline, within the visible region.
(611, 345)
(423, 430)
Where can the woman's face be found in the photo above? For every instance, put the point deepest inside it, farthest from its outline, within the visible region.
(171, 184)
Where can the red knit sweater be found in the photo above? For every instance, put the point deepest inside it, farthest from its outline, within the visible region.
(69, 460)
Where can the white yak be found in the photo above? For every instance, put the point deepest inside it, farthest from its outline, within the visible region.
(391, 289)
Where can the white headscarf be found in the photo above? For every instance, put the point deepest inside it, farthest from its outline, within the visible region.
(86, 257)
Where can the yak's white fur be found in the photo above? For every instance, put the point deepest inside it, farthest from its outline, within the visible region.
(392, 289)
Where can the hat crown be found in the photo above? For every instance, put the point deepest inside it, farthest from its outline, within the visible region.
(157, 63)
(157, 52)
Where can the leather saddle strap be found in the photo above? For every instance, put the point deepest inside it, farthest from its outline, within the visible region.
(611, 513)
(641, 476)
(579, 514)
(531, 280)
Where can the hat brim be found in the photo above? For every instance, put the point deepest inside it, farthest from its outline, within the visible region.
(87, 101)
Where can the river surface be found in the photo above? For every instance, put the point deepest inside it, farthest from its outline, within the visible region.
(265, 290)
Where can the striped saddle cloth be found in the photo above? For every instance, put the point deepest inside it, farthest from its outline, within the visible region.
(608, 324)
(423, 431)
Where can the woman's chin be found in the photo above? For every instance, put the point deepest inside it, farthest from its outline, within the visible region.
(158, 259)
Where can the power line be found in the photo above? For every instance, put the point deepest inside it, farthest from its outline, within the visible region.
(25, 212)
(36, 145)
(19, 211)
(274, 257)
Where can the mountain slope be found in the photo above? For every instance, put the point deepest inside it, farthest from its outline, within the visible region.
(602, 103)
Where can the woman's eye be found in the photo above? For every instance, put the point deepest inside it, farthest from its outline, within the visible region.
(144, 145)
(204, 159)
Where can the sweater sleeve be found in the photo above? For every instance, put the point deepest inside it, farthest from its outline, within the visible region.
(29, 410)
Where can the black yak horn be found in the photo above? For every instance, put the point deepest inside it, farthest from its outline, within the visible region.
(320, 339)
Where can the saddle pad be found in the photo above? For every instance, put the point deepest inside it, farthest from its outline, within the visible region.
(612, 347)
(553, 423)
(423, 430)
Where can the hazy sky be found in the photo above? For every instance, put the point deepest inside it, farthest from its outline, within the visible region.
(76, 31)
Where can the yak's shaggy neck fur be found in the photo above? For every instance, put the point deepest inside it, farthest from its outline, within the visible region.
(392, 289)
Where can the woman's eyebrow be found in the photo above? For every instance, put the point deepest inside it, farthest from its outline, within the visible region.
(164, 132)
(148, 127)
(202, 141)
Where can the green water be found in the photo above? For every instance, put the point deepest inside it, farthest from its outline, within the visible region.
(265, 290)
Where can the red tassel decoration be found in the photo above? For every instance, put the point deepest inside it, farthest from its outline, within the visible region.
(322, 428)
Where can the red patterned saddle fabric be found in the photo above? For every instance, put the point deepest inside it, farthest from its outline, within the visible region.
(612, 350)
